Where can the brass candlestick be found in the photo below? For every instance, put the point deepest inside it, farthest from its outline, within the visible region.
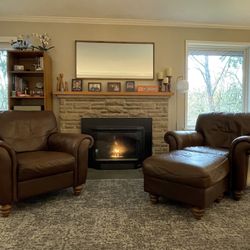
(165, 84)
(160, 77)
(161, 85)
(168, 87)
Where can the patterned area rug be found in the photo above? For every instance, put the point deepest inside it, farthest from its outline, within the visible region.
(117, 214)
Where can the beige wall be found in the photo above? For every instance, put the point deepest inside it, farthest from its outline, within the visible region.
(169, 45)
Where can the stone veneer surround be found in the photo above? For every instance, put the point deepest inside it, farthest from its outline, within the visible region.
(73, 107)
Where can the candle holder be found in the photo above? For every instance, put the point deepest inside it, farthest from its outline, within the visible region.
(162, 85)
(168, 87)
(165, 81)
(160, 77)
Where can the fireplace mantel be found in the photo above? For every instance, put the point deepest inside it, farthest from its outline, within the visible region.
(87, 93)
(76, 105)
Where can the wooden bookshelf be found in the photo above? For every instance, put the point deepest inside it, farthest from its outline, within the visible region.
(23, 84)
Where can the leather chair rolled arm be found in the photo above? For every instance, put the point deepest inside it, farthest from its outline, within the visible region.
(181, 139)
(239, 152)
(8, 177)
(76, 145)
(68, 143)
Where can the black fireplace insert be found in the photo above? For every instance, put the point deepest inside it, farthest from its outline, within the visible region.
(120, 143)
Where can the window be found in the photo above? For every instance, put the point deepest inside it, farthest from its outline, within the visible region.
(4, 46)
(216, 74)
(3, 81)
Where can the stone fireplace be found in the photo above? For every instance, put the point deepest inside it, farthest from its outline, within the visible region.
(74, 106)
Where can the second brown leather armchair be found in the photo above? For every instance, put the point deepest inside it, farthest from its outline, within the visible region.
(35, 158)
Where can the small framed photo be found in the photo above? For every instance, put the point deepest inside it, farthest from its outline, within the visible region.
(76, 85)
(114, 86)
(94, 86)
(130, 86)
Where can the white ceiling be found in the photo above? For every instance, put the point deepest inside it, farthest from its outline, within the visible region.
(201, 13)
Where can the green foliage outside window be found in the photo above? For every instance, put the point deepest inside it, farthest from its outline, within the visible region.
(3, 81)
(216, 85)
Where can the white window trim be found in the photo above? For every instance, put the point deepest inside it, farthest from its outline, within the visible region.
(246, 80)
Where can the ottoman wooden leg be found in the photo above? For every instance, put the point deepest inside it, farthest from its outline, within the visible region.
(78, 189)
(237, 195)
(219, 198)
(198, 212)
(154, 198)
(5, 210)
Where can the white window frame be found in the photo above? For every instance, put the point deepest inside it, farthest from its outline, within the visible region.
(5, 43)
(246, 68)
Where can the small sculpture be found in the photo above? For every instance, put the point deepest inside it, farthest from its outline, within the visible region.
(22, 43)
(60, 84)
(66, 86)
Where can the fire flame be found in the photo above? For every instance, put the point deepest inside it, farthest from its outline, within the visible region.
(116, 151)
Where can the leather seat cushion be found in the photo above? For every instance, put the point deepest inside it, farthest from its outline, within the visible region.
(191, 168)
(43, 163)
(208, 150)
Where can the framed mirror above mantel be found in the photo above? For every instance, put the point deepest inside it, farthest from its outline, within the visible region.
(114, 60)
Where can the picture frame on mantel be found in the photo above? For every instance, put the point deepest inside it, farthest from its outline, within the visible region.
(76, 85)
(94, 86)
(114, 87)
(130, 86)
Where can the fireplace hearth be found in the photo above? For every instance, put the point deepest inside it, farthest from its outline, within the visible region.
(120, 143)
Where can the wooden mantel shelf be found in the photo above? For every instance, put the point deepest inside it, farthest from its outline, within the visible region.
(87, 93)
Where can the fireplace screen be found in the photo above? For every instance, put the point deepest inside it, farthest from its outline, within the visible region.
(118, 145)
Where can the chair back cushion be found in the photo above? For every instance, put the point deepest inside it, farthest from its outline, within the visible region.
(220, 129)
(27, 130)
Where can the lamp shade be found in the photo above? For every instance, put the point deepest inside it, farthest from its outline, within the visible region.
(182, 86)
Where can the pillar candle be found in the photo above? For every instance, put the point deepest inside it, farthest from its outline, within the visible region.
(160, 75)
(169, 71)
(165, 80)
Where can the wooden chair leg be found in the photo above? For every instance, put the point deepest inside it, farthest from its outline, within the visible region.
(153, 198)
(5, 210)
(198, 212)
(237, 195)
(219, 198)
(78, 189)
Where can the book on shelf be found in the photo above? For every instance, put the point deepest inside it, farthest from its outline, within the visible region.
(27, 108)
(19, 84)
(41, 64)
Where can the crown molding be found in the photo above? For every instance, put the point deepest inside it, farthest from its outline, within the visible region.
(112, 21)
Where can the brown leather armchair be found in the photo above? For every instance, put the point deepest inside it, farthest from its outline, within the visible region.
(202, 164)
(35, 158)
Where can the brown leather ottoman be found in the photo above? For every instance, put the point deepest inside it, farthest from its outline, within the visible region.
(194, 178)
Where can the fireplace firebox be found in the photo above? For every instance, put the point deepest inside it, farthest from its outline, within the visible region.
(120, 143)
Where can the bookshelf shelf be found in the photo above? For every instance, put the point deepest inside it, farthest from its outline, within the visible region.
(27, 97)
(28, 73)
